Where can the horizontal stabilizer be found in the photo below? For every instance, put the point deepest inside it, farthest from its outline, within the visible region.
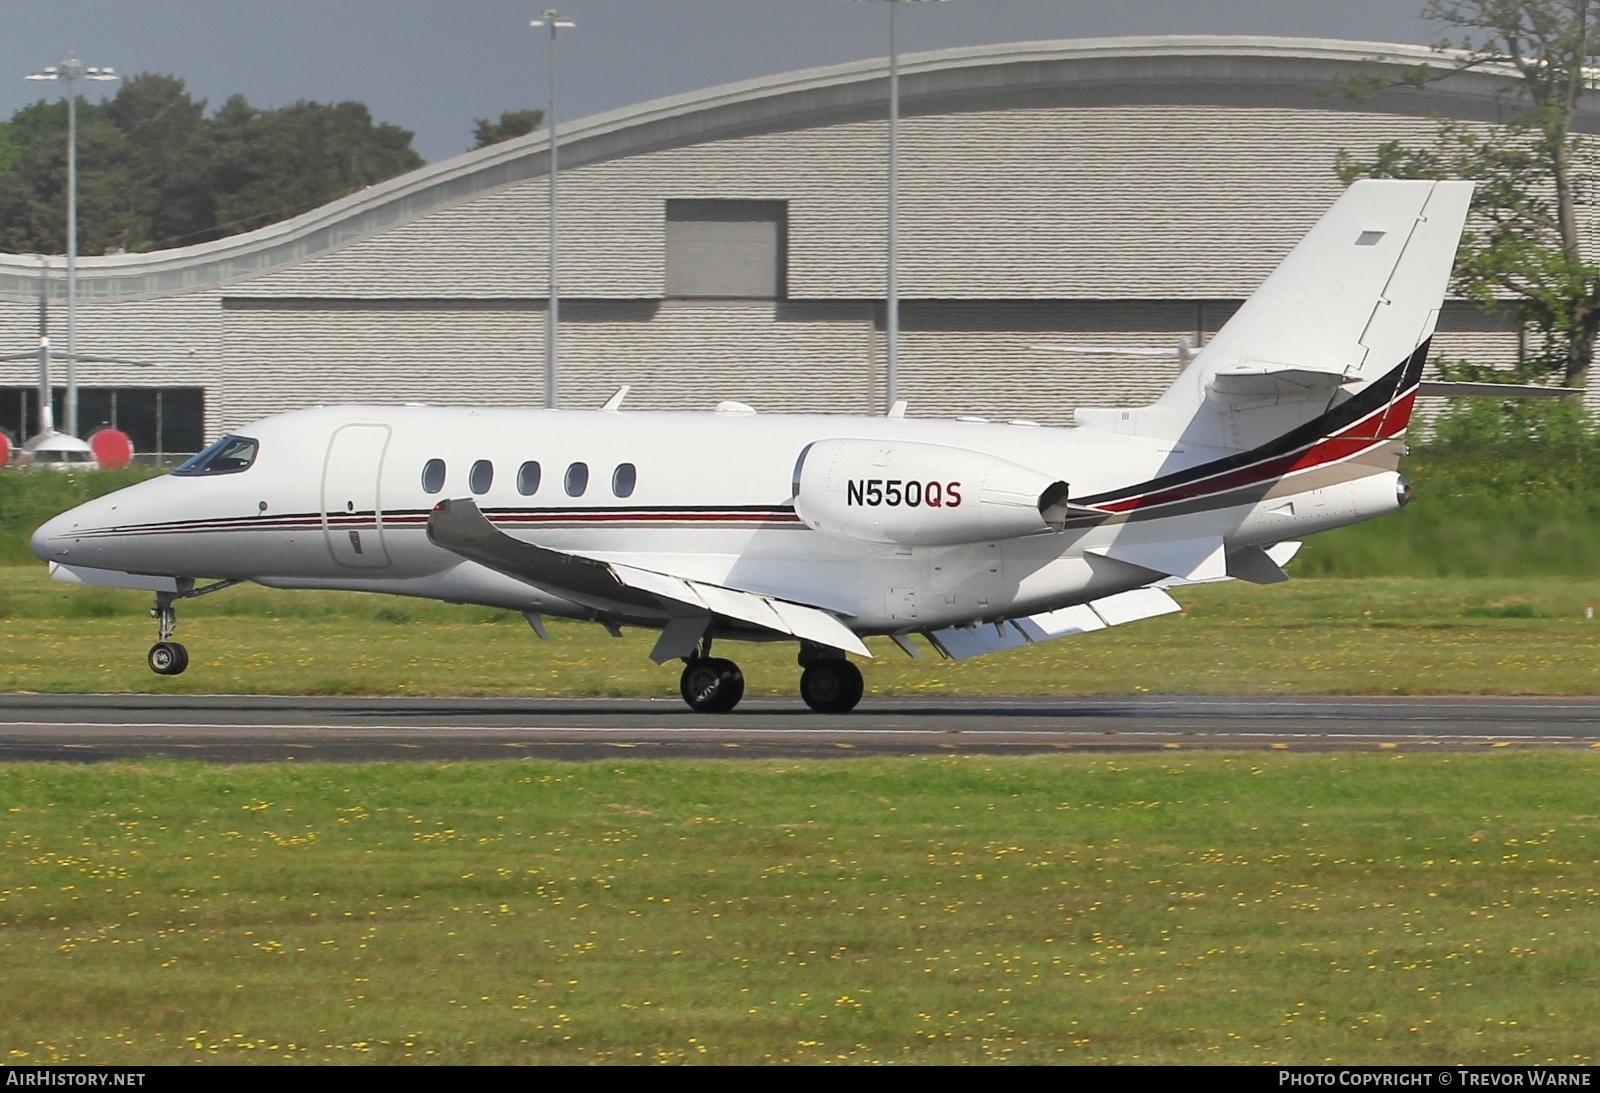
(1493, 390)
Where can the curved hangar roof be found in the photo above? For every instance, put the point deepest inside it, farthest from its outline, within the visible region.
(1176, 72)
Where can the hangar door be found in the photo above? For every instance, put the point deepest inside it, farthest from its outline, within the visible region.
(352, 518)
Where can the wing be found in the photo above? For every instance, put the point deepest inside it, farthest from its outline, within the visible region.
(638, 595)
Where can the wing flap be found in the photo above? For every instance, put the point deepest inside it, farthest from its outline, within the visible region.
(818, 626)
(745, 606)
(780, 616)
(1066, 622)
(962, 642)
(666, 587)
(1141, 603)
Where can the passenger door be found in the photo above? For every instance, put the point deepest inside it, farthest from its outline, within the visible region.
(352, 517)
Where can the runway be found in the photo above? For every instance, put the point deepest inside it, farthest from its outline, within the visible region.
(247, 728)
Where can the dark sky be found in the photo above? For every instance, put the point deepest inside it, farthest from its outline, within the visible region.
(433, 66)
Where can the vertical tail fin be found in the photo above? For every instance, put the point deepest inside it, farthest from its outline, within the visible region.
(1334, 339)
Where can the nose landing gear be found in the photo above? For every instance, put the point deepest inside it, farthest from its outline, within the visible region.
(168, 657)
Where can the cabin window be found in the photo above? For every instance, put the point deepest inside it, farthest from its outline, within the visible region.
(481, 477)
(229, 455)
(577, 479)
(433, 476)
(528, 479)
(623, 479)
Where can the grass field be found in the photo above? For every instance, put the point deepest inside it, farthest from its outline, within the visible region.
(1379, 908)
(1319, 636)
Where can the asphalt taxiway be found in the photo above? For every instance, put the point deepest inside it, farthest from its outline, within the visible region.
(249, 728)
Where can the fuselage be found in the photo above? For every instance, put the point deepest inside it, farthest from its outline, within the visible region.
(339, 498)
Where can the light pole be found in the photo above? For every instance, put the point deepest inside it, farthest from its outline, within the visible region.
(891, 306)
(552, 346)
(70, 71)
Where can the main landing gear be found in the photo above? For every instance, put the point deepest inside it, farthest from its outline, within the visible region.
(829, 683)
(710, 684)
(168, 657)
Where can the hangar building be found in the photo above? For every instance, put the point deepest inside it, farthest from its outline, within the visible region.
(729, 244)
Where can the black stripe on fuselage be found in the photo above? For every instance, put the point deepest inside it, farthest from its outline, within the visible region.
(1375, 396)
(743, 515)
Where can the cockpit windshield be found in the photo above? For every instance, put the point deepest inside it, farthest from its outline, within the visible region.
(229, 455)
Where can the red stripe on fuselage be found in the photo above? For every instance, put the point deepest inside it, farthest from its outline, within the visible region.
(1358, 437)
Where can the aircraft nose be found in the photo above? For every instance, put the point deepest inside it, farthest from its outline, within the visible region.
(49, 542)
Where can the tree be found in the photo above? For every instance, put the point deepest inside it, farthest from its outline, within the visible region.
(33, 192)
(166, 133)
(271, 164)
(8, 147)
(154, 171)
(1524, 241)
(512, 123)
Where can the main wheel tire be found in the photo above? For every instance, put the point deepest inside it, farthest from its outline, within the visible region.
(711, 685)
(168, 658)
(858, 687)
(832, 686)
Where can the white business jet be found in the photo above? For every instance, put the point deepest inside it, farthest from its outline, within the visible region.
(823, 529)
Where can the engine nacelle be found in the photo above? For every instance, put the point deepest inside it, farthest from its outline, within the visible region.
(911, 494)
